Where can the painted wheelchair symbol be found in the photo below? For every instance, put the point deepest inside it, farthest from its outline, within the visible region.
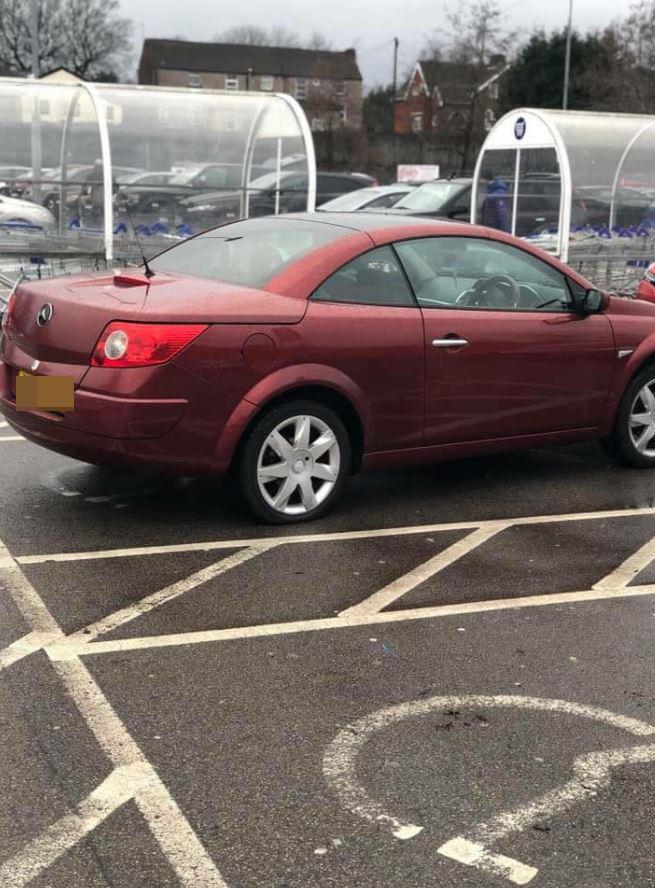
(591, 772)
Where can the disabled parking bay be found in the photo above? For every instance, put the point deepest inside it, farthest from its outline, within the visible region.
(449, 681)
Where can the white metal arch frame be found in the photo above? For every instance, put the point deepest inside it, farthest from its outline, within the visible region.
(99, 106)
(619, 169)
(537, 132)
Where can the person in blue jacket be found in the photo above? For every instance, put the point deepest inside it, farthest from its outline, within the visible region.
(495, 208)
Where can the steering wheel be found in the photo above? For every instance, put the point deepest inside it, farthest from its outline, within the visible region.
(479, 293)
(533, 298)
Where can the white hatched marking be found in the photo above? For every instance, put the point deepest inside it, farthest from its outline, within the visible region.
(63, 835)
(384, 597)
(177, 840)
(66, 649)
(624, 573)
(211, 545)
(119, 618)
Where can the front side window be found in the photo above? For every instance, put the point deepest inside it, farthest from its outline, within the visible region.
(473, 273)
(248, 253)
(375, 278)
(301, 87)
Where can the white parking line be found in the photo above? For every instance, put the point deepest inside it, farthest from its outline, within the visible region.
(3, 424)
(119, 618)
(211, 545)
(592, 772)
(68, 648)
(67, 832)
(6, 438)
(624, 573)
(176, 838)
(379, 600)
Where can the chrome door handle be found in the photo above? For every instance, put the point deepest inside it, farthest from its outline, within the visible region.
(449, 343)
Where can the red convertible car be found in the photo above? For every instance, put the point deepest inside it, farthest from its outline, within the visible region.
(294, 350)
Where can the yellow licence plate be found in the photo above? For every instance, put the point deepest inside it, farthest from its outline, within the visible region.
(54, 393)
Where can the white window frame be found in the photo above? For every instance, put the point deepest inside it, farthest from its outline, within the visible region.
(232, 82)
(416, 118)
(300, 88)
(194, 80)
(318, 125)
(343, 115)
(342, 88)
(266, 82)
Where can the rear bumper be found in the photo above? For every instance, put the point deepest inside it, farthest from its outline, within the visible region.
(167, 435)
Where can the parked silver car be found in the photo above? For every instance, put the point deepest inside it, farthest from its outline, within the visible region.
(376, 197)
(17, 212)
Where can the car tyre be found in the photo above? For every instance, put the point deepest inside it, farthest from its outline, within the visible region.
(294, 462)
(633, 437)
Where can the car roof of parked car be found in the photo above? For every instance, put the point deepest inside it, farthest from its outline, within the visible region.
(368, 221)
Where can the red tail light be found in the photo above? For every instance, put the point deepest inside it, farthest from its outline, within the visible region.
(129, 344)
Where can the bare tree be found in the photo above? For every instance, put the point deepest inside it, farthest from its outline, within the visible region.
(477, 32)
(255, 35)
(277, 35)
(88, 37)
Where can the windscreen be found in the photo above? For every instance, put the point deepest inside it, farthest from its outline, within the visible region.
(352, 200)
(430, 197)
(249, 252)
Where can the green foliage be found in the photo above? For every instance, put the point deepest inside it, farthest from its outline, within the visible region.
(377, 110)
(537, 76)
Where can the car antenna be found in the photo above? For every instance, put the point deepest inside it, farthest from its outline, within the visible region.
(148, 271)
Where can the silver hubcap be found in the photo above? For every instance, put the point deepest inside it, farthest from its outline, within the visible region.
(298, 465)
(642, 420)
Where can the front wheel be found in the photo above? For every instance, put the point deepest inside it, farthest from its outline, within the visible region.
(633, 436)
(294, 462)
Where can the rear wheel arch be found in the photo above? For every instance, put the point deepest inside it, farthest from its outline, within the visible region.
(323, 394)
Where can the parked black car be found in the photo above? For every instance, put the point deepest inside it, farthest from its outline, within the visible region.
(203, 210)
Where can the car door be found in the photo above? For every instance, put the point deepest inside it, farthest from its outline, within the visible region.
(364, 322)
(507, 354)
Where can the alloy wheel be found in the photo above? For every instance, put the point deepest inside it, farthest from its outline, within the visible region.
(298, 465)
(642, 420)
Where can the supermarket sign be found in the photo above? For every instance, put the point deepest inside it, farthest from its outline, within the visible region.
(416, 173)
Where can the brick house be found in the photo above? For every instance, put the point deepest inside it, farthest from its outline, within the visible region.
(327, 84)
(439, 97)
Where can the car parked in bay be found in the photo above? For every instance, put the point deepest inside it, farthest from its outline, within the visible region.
(375, 197)
(292, 351)
(267, 195)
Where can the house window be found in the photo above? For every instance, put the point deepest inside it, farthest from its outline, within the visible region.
(343, 115)
(266, 82)
(316, 82)
(231, 82)
(301, 88)
(318, 124)
(341, 88)
(194, 80)
(417, 123)
(434, 121)
(494, 91)
(416, 90)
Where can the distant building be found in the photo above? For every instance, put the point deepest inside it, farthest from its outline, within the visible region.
(440, 96)
(327, 84)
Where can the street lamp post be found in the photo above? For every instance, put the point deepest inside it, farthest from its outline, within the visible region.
(36, 121)
(567, 59)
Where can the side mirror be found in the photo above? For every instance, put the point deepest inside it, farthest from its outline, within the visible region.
(594, 301)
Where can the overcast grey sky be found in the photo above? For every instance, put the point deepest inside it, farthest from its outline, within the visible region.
(366, 25)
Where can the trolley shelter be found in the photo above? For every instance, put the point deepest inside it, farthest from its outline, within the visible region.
(560, 175)
(107, 158)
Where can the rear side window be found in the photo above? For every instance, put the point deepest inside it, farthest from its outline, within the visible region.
(249, 252)
(375, 278)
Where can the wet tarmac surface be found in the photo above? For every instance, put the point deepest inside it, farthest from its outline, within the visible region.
(188, 698)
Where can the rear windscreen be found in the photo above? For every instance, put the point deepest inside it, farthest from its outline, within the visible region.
(249, 252)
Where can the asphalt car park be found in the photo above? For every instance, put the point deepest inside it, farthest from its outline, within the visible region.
(448, 680)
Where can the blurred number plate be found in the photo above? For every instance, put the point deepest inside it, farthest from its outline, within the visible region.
(54, 393)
